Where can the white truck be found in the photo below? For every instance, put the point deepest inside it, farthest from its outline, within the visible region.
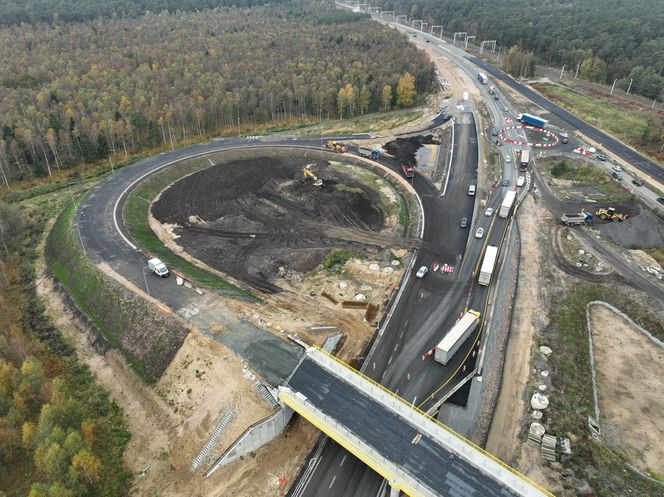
(507, 204)
(488, 265)
(446, 349)
(158, 267)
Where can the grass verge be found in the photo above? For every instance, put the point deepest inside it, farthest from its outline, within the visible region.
(601, 187)
(135, 214)
(630, 126)
(147, 339)
(572, 397)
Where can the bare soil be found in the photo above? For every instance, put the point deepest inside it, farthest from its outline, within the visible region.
(630, 382)
(404, 149)
(503, 439)
(248, 218)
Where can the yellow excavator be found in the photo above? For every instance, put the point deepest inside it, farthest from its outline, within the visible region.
(310, 177)
(611, 214)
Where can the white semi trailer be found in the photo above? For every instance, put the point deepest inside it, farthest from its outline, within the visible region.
(488, 265)
(463, 328)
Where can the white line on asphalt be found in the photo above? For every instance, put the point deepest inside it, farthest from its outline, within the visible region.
(343, 460)
(389, 361)
(414, 400)
(332, 482)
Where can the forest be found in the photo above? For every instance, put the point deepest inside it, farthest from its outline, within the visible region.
(84, 91)
(608, 39)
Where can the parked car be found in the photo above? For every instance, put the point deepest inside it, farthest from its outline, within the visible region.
(421, 272)
(488, 212)
(479, 233)
(464, 222)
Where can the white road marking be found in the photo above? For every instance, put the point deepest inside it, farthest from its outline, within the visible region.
(343, 460)
(332, 482)
(415, 400)
(389, 361)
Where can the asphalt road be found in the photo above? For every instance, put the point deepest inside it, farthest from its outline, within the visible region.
(436, 467)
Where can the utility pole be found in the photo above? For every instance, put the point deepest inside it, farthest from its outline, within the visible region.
(577, 70)
(630, 85)
(613, 85)
(562, 71)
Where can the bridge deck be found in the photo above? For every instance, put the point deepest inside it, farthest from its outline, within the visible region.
(396, 438)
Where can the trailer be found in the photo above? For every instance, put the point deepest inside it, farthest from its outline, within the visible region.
(488, 265)
(532, 120)
(455, 338)
(508, 203)
(524, 160)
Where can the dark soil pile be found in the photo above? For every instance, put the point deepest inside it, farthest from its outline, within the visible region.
(249, 217)
(404, 149)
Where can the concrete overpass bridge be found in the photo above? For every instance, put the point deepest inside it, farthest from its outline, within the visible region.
(416, 454)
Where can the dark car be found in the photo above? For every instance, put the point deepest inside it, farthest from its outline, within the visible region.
(638, 181)
(506, 182)
(660, 200)
(617, 177)
(464, 222)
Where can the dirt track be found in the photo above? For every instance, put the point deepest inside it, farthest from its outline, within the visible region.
(249, 217)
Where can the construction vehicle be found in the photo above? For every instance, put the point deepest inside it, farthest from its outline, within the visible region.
(369, 153)
(577, 218)
(337, 147)
(407, 170)
(611, 214)
(310, 177)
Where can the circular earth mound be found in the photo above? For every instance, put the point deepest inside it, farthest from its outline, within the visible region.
(249, 217)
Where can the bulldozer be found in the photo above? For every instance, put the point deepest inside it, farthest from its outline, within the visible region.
(611, 214)
(310, 177)
(337, 147)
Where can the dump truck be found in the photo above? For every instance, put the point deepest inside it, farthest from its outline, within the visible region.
(532, 120)
(577, 218)
(488, 265)
(508, 203)
(369, 153)
(158, 267)
(455, 338)
(407, 170)
(611, 214)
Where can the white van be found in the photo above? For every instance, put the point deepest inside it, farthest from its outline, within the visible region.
(158, 267)
(471, 190)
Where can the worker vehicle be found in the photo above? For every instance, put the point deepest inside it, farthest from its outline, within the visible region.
(334, 146)
(158, 267)
(421, 272)
(407, 170)
(577, 218)
(611, 214)
(310, 178)
(508, 203)
(455, 338)
(488, 265)
(532, 120)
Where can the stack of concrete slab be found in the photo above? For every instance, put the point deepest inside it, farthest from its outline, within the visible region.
(535, 434)
(549, 448)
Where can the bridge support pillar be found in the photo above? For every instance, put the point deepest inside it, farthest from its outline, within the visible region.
(394, 492)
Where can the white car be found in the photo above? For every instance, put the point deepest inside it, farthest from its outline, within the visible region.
(508, 159)
(479, 233)
(421, 272)
(617, 169)
(488, 212)
(521, 180)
